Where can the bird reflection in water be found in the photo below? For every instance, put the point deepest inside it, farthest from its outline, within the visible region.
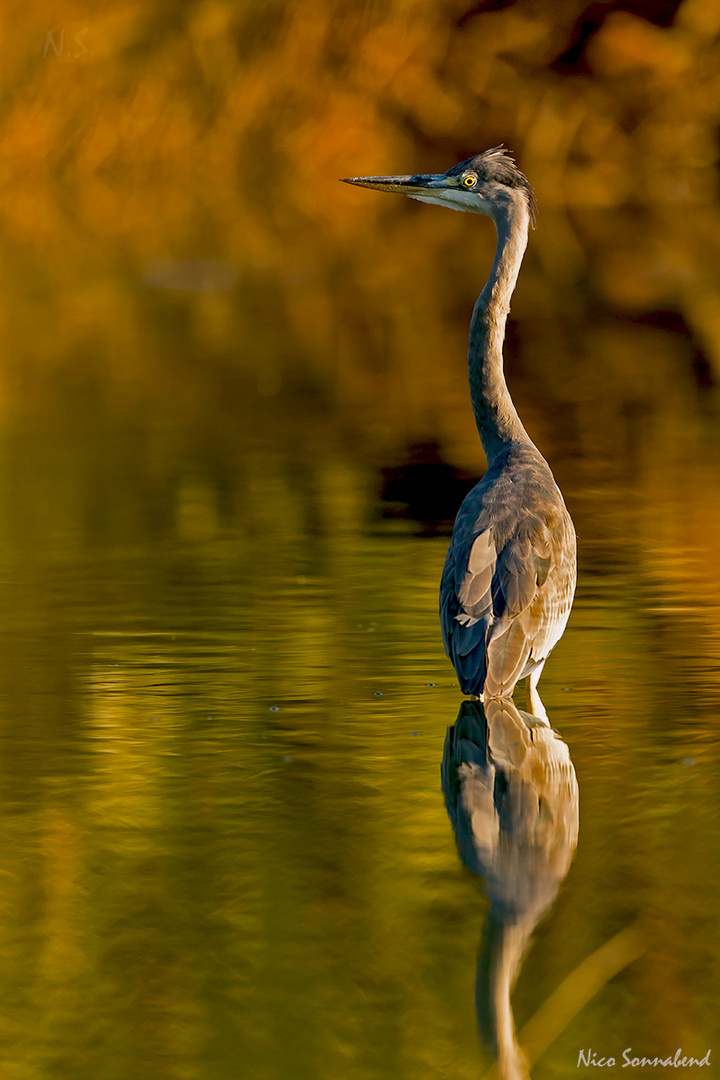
(512, 797)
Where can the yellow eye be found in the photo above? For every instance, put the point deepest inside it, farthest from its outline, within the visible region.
(470, 181)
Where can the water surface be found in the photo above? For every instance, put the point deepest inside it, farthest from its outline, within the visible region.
(224, 700)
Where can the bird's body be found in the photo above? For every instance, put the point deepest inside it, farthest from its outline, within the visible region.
(508, 582)
(509, 577)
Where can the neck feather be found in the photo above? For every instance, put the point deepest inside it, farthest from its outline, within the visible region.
(495, 415)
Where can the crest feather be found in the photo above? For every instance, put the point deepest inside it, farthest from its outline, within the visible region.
(498, 164)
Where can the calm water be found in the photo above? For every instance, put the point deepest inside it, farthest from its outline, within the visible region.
(224, 702)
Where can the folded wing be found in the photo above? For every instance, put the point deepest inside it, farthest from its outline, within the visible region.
(505, 598)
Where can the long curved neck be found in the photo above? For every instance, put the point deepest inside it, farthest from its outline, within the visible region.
(495, 414)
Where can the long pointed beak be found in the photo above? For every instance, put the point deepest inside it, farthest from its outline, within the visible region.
(401, 185)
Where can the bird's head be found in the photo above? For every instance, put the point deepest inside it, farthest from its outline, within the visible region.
(482, 185)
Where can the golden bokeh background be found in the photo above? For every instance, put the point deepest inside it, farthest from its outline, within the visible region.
(211, 351)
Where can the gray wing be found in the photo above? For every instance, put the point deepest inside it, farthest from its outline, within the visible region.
(505, 598)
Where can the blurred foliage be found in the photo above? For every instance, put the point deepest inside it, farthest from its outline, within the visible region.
(218, 128)
(177, 256)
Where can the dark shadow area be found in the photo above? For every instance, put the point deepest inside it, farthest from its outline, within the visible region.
(573, 59)
(424, 488)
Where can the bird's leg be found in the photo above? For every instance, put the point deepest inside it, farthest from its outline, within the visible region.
(534, 704)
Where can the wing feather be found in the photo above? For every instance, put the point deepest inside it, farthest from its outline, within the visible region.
(507, 658)
(508, 581)
(474, 593)
(516, 574)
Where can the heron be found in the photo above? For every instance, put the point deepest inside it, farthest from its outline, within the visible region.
(509, 577)
(512, 798)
